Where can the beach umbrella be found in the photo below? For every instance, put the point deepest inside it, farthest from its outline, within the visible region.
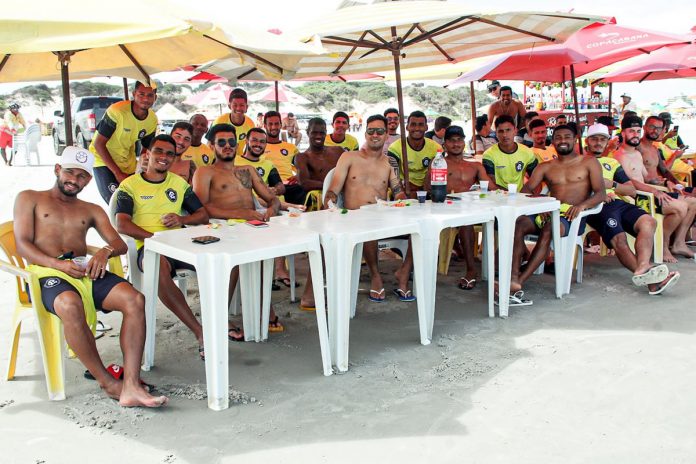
(215, 95)
(279, 93)
(187, 77)
(670, 62)
(169, 112)
(394, 35)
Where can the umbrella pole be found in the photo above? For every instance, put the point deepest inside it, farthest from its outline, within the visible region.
(472, 98)
(276, 96)
(610, 100)
(64, 58)
(125, 88)
(402, 127)
(575, 106)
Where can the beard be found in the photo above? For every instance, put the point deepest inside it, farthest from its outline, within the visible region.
(650, 137)
(565, 150)
(61, 187)
(225, 158)
(634, 142)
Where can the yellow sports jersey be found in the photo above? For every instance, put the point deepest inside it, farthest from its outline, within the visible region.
(241, 130)
(202, 155)
(612, 170)
(146, 202)
(545, 154)
(265, 168)
(350, 143)
(123, 130)
(282, 155)
(680, 168)
(418, 161)
(509, 168)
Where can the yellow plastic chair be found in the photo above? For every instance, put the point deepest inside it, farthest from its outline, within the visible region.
(314, 200)
(646, 201)
(50, 327)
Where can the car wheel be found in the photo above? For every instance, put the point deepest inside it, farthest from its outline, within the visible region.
(80, 140)
(57, 146)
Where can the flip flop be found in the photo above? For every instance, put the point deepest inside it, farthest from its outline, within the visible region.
(275, 325)
(274, 286)
(286, 281)
(201, 352)
(101, 327)
(668, 284)
(307, 308)
(378, 293)
(517, 299)
(467, 284)
(405, 296)
(235, 330)
(98, 335)
(116, 372)
(654, 275)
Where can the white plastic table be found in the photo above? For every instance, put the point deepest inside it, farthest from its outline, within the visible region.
(507, 208)
(241, 246)
(342, 236)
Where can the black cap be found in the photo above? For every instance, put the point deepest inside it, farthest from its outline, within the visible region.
(631, 121)
(666, 117)
(453, 131)
(607, 121)
(493, 85)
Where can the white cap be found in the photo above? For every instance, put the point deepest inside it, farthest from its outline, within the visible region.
(626, 94)
(74, 157)
(598, 129)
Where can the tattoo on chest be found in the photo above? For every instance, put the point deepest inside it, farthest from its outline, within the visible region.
(244, 177)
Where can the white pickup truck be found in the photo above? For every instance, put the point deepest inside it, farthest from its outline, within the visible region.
(86, 114)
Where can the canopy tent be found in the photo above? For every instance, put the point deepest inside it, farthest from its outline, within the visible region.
(217, 94)
(187, 77)
(394, 35)
(673, 61)
(169, 112)
(279, 94)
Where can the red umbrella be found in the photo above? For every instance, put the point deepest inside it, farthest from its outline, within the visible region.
(673, 61)
(186, 76)
(279, 94)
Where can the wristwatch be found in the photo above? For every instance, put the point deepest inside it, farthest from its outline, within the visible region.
(614, 184)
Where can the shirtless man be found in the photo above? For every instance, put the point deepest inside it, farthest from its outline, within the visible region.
(227, 192)
(674, 210)
(55, 223)
(153, 201)
(314, 164)
(361, 176)
(182, 133)
(576, 181)
(507, 106)
(461, 175)
(619, 218)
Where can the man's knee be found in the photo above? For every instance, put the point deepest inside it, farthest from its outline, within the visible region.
(68, 306)
(646, 224)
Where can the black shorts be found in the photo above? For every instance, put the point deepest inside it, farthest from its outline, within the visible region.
(294, 194)
(173, 263)
(616, 217)
(540, 223)
(106, 182)
(51, 287)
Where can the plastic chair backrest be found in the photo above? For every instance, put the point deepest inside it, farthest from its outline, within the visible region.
(9, 247)
(325, 188)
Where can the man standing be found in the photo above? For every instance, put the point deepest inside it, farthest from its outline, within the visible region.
(438, 132)
(314, 164)
(293, 129)
(282, 155)
(199, 152)
(237, 117)
(393, 121)
(420, 152)
(55, 223)
(619, 218)
(363, 176)
(339, 138)
(182, 135)
(153, 201)
(507, 161)
(461, 175)
(12, 123)
(114, 144)
(626, 104)
(507, 106)
(538, 133)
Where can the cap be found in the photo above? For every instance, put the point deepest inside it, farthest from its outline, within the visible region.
(631, 121)
(14, 106)
(453, 131)
(493, 85)
(74, 157)
(626, 94)
(598, 129)
(666, 117)
(607, 121)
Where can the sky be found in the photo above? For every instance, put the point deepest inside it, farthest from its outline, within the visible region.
(677, 16)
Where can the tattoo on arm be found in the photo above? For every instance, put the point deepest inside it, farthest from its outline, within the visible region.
(244, 177)
(395, 185)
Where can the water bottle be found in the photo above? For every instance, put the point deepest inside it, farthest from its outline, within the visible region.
(438, 179)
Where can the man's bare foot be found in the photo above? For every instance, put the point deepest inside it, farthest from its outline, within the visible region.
(113, 388)
(667, 256)
(682, 251)
(515, 286)
(137, 396)
(307, 304)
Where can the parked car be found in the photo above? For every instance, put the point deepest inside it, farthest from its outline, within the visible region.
(86, 113)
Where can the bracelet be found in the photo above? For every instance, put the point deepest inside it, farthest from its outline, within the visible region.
(109, 249)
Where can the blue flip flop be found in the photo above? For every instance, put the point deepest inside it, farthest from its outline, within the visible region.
(405, 296)
(379, 293)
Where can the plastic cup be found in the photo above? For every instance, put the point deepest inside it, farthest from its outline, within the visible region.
(512, 189)
(81, 261)
(484, 186)
(421, 195)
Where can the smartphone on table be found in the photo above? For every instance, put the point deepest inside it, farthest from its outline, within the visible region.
(205, 239)
(256, 223)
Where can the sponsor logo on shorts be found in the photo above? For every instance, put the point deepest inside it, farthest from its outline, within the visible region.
(519, 166)
(426, 162)
(611, 222)
(171, 195)
(141, 134)
(112, 187)
(52, 282)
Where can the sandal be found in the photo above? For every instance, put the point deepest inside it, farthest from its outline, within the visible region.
(116, 372)
(467, 284)
(405, 296)
(379, 298)
(654, 275)
(235, 334)
(516, 299)
(286, 281)
(275, 325)
(669, 282)
(201, 352)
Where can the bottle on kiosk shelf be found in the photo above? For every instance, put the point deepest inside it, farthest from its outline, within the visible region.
(438, 178)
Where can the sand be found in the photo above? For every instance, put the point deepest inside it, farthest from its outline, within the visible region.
(604, 375)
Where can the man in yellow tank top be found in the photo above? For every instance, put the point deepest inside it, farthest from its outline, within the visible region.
(339, 138)
(237, 117)
(199, 152)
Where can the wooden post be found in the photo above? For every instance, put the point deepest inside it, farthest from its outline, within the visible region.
(64, 58)
(472, 99)
(575, 105)
(400, 100)
(276, 96)
(125, 89)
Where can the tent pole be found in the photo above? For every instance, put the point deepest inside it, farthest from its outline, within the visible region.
(609, 102)
(276, 95)
(402, 127)
(125, 88)
(575, 106)
(472, 98)
(64, 58)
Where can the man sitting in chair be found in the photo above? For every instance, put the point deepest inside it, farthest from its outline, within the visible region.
(153, 201)
(50, 228)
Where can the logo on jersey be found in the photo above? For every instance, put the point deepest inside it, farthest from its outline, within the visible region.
(284, 152)
(171, 194)
(261, 171)
(611, 222)
(52, 282)
(607, 166)
(242, 137)
(519, 166)
(141, 134)
(346, 149)
(426, 162)
(205, 158)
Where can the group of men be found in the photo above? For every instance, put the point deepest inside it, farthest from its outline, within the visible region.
(248, 172)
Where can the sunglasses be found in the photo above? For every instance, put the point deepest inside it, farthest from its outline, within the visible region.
(232, 142)
(376, 130)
